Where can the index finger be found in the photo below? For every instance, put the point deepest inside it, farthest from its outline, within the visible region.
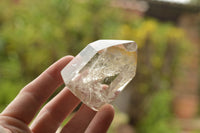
(31, 97)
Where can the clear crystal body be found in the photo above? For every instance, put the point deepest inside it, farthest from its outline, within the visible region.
(99, 79)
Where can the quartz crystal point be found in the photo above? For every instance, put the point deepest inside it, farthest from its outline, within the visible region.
(100, 71)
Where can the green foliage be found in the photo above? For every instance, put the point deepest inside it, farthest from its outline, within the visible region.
(159, 115)
(161, 48)
(195, 2)
(35, 34)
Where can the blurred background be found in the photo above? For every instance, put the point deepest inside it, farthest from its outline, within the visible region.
(164, 95)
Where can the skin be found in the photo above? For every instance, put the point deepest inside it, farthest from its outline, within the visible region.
(22, 110)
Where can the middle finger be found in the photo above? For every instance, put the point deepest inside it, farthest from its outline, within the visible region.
(80, 120)
(54, 112)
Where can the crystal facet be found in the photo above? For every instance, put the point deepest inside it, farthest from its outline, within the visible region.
(100, 71)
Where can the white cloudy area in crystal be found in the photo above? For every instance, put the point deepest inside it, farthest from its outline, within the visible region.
(105, 75)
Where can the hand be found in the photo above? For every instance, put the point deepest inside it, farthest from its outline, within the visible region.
(21, 111)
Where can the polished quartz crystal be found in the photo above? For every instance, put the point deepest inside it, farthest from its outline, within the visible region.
(100, 71)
